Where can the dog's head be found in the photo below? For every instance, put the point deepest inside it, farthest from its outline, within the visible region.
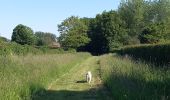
(89, 72)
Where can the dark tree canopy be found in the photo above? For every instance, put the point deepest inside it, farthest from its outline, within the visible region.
(23, 35)
(45, 38)
(107, 32)
(135, 22)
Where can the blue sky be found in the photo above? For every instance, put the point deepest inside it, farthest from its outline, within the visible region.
(45, 15)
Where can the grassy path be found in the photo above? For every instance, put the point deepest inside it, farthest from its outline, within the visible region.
(72, 85)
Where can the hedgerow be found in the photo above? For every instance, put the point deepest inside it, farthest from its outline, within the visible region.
(157, 53)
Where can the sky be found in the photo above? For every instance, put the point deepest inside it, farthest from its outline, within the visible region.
(45, 15)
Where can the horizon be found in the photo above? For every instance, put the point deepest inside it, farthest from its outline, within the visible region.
(46, 15)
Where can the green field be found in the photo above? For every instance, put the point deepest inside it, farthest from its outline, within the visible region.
(47, 48)
(62, 77)
(22, 76)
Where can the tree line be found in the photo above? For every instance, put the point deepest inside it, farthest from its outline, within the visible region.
(134, 22)
(24, 35)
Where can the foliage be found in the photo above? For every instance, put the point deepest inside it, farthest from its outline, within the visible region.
(156, 18)
(23, 35)
(107, 32)
(135, 22)
(131, 80)
(132, 11)
(14, 48)
(73, 33)
(157, 53)
(154, 33)
(17, 49)
(148, 20)
(3, 39)
(45, 39)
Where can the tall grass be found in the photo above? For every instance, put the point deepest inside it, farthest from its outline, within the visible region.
(129, 80)
(22, 76)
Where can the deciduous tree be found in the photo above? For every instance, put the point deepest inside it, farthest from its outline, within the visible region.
(73, 33)
(23, 35)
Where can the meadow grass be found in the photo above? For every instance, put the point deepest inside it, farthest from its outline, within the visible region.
(22, 76)
(134, 80)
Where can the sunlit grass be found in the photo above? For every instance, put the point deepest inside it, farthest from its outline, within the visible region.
(130, 80)
(21, 76)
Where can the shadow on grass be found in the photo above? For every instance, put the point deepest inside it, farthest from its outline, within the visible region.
(134, 88)
(159, 62)
(92, 94)
(82, 81)
(137, 83)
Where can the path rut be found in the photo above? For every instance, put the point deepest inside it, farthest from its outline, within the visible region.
(72, 85)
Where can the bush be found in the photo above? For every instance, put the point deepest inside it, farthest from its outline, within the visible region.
(157, 53)
(17, 49)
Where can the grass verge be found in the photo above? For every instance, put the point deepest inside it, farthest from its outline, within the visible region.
(22, 76)
(130, 80)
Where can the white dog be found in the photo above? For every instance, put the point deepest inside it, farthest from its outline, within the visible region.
(88, 77)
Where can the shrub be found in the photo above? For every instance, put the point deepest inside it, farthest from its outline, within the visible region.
(157, 53)
(17, 49)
